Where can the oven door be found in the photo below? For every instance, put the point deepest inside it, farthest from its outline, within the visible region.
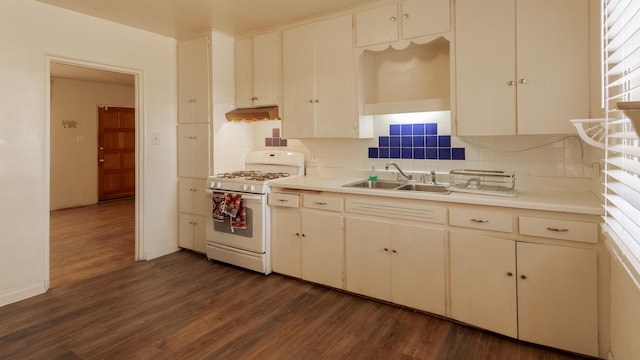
(252, 238)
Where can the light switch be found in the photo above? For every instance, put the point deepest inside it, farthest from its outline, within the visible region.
(155, 138)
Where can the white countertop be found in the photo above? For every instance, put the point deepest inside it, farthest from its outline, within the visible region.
(570, 202)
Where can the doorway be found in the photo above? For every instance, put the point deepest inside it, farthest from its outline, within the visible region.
(93, 164)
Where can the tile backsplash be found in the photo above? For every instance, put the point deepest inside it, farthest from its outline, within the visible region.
(536, 155)
(419, 141)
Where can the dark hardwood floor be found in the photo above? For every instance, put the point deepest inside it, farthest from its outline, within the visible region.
(91, 240)
(181, 306)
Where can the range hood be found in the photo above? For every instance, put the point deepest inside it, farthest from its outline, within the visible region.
(253, 114)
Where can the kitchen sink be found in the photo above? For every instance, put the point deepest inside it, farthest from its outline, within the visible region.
(397, 185)
(378, 184)
(434, 188)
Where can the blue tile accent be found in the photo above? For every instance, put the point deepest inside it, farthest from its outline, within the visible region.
(407, 141)
(418, 129)
(444, 153)
(457, 154)
(444, 141)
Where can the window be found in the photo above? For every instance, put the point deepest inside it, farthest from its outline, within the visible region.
(621, 88)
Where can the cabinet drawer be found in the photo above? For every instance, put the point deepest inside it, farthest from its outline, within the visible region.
(559, 229)
(322, 202)
(481, 219)
(284, 200)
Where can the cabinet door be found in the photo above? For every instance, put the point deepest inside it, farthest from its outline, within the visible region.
(368, 260)
(424, 17)
(483, 282)
(192, 197)
(265, 69)
(335, 78)
(199, 237)
(557, 297)
(244, 72)
(193, 150)
(298, 72)
(553, 62)
(193, 80)
(485, 67)
(322, 247)
(418, 277)
(185, 231)
(285, 241)
(377, 26)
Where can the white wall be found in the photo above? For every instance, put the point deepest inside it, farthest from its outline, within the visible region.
(29, 32)
(74, 150)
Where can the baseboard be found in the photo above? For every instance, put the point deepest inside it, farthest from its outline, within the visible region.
(22, 294)
(150, 255)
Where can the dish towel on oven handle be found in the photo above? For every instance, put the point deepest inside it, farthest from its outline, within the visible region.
(234, 206)
(218, 206)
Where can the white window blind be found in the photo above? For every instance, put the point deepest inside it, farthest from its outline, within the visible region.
(621, 87)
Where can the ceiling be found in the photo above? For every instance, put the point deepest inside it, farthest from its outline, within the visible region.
(182, 18)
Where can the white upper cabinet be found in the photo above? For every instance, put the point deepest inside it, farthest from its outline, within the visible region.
(415, 18)
(522, 66)
(193, 80)
(319, 80)
(257, 71)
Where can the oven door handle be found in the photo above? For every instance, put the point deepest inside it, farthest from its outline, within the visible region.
(246, 196)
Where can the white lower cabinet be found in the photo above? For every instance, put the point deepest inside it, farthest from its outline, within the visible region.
(191, 232)
(545, 294)
(398, 262)
(308, 243)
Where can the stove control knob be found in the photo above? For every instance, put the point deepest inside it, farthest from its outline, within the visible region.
(245, 187)
(253, 188)
(219, 185)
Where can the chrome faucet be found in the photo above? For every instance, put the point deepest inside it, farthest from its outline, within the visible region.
(391, 163)
(423, 177)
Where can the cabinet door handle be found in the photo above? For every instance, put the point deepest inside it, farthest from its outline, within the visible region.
(480, 221)
(511, 83)
(393, 18)
(386, 249)
(283, 200)
(523, 81)
(509, 273)
(394, 251)
(304, 235)
(310, 101)
(321, 203)
(406, 16)
(557, 229)
(297, 234)
(317, 101)
(523, 277)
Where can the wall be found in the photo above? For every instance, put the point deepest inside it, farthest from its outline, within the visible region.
(74, 151)
(625, 314)
(29, 32)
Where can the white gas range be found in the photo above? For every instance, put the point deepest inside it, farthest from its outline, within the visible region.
(238, 230)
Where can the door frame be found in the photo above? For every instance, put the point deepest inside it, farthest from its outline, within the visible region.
(139, 147)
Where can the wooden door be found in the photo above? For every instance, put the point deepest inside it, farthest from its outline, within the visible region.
(116, 153)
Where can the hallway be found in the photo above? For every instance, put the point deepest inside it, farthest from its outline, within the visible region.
(91, 240)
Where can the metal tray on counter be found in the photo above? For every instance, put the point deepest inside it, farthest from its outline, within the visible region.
(488, 182)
